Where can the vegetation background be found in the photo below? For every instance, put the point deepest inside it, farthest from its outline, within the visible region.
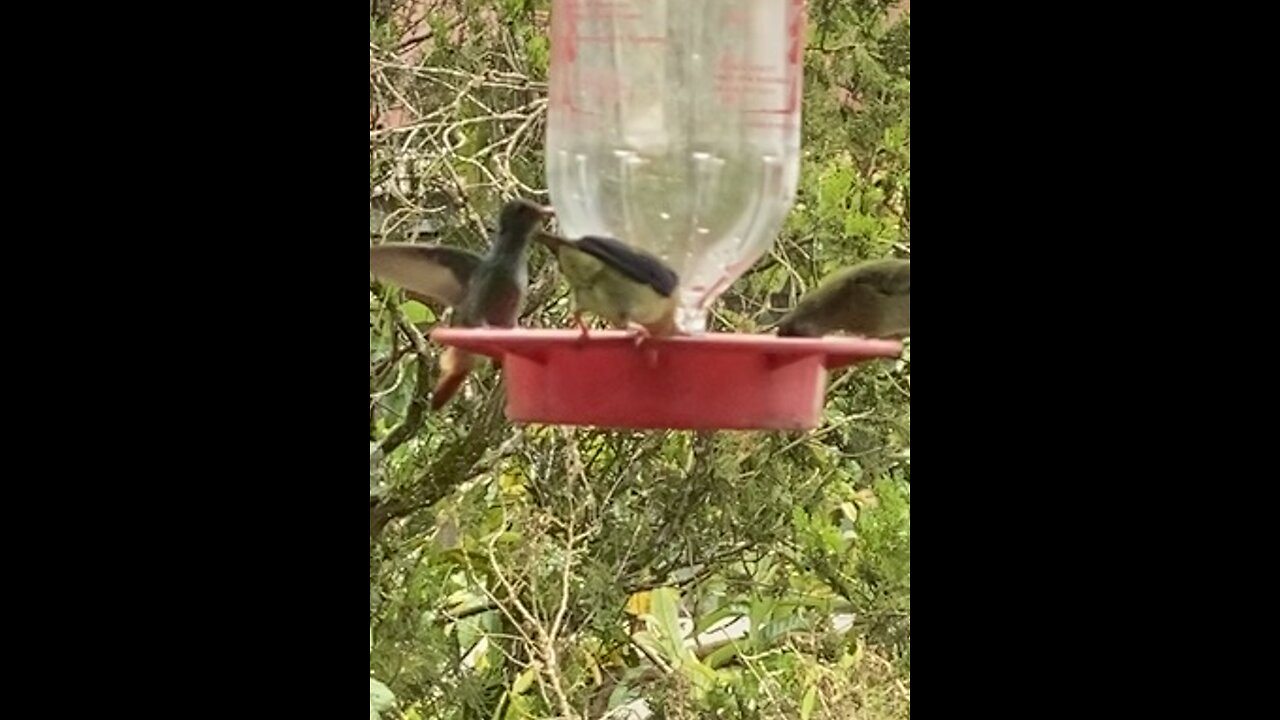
(555, 572)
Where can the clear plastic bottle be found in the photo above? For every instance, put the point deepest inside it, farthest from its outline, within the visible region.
(674, 125)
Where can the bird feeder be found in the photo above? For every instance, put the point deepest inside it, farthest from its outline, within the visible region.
(673, 125)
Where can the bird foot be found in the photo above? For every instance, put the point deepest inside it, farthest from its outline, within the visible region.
(640, 335)
(577, 320)
(642, 339)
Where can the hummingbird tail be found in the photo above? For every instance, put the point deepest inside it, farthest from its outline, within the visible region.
(454, 366)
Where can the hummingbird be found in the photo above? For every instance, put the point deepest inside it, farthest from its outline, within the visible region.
(486, 291)
(871, 299)
(628, 287)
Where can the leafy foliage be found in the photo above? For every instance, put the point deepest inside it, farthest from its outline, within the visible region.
(553, 572)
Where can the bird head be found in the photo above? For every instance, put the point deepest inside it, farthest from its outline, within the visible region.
(522, 216)
(792, 326)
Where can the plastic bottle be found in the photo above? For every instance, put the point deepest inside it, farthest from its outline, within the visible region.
(674, 125)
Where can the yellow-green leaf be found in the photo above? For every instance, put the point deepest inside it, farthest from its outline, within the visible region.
(415, 312)
(518, 708)
(806, 705)
(524, 680)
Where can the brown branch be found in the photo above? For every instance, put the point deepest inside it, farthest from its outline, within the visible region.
(413, 40)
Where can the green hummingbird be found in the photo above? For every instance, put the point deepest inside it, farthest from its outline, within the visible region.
(629, 288)
(486, 291)
(871, 299)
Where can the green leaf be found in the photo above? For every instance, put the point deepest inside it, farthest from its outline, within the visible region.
(664, 604)
(415, 312)
(858, 225)
(833, 189)
(806, 705)
(380, 698)
(722, 655)
(761, 611)
(716, 616)
(524, 680)
(767, 635)
(518, 708)
(664, 609)
(895, 136)
(538, 52)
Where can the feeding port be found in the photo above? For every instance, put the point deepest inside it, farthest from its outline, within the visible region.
(716, 381)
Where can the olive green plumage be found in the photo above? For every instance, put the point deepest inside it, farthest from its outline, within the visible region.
(872, 299)
(619, 283)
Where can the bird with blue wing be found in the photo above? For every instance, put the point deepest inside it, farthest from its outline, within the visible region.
(484, 291)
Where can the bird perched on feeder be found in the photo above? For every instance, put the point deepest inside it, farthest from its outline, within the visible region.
(871, 299)
(484, 291)
(627, 287)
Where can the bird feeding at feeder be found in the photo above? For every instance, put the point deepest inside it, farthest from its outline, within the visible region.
(629, 288)
(871, 299)
(486, 291)
(674, 127)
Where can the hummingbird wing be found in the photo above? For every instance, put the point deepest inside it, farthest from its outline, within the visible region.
(635, 264)
(425, 271)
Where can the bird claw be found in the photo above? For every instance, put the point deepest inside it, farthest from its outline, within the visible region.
(577, 320)
(640, 335)
(643, 338)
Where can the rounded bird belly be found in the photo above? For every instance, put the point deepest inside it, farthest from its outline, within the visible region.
(596, 299)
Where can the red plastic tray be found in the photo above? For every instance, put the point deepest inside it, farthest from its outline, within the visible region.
(718, 381)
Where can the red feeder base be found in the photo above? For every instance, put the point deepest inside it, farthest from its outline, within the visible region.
(718, 381)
